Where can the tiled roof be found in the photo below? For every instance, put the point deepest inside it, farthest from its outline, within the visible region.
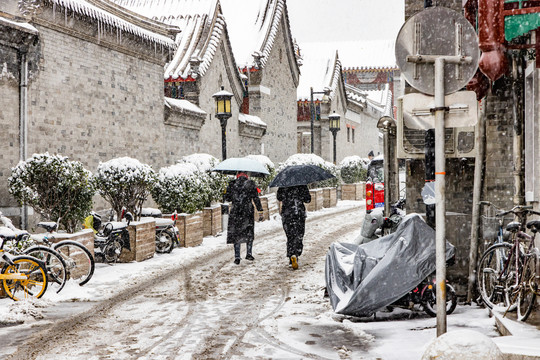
(202, 26)
(107, 14)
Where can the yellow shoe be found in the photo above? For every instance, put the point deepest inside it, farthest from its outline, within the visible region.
(294, 262)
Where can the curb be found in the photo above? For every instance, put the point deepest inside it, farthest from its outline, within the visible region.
(519, 340)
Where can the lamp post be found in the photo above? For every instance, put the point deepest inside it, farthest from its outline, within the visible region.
(334, 128)
(312, 111)
(223, 113)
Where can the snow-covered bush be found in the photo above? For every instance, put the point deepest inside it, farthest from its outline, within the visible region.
(124, 182)
(216, 181)
(181, 187)
(353, 169)
(263, 182)
(55, 187)
(301, 159)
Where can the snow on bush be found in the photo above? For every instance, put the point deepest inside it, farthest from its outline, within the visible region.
(124, 182)
(353, 169)
(182, 188)
(263, 182)
(57, 188)
(216, 181)
(302, 159)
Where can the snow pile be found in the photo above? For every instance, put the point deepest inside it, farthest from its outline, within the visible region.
(303, 159)
(462, 344)
(203, 162)
(22, 311)
(354, 160)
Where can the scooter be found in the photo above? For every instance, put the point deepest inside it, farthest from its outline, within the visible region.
(110, 237)
(425, 295)
(167, 234)
(376, 225)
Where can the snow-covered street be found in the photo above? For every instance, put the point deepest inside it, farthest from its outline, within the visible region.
(195, 303)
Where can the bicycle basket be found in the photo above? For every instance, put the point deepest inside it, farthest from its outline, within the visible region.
(490, 227)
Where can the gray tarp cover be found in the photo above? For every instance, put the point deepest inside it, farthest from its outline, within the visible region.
(362, 279)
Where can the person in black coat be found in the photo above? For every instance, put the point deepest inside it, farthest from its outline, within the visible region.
(293, 215)
(242, 193)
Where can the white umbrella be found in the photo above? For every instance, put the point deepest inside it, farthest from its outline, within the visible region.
(233, 165)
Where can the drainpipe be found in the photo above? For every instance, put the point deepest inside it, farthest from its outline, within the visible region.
(480, 141)
(23, 121)
(517, 112)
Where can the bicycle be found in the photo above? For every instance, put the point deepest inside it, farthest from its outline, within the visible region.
(80, 262)
(506, 269)
(22, 276)
(21, 244)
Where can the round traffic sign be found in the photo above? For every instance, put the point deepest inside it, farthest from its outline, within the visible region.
(437, 31)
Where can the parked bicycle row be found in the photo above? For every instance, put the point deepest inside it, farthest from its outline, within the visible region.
(33, 263)
(509, 269)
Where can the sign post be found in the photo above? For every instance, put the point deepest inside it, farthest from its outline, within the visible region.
(437, 53)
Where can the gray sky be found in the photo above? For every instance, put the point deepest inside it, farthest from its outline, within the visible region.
(345, 20)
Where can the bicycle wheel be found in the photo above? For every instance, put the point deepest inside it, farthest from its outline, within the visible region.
(164, 241)
(526, 298)
(33, 281)
(54, 263)
(492, 283)
(429, 300)
(80, 263)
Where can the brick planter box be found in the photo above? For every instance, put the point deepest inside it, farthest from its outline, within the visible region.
(142, 240)
(317, 200)
(84, 237)
(212, 220)
(329, 197)
(273, 204)
(356, 191)
(190, 227)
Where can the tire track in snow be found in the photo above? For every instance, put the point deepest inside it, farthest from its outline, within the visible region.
(199, 284)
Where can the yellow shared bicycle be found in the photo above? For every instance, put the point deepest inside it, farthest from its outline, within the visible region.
(23, 276)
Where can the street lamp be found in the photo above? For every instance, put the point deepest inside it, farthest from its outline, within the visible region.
(223, 113)
(334, 128)
(312, 111)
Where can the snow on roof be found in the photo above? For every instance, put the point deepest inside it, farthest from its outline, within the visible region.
(104, 17)
(364, 53)
(184, 106)
(356, 95)
(252, 27)
(19, 25)
(168, 10)
(380, 99)
(251, 120)
(321, 69)
(201, 25)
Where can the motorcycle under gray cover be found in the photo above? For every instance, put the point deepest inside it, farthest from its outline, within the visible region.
(362, 279)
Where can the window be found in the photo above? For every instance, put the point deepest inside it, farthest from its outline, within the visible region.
(348, 134)
(353, 135)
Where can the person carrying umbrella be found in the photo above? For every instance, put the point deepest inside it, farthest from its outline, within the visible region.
(293, 215)
(241, 228)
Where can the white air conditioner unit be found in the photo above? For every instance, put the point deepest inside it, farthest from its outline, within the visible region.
(459, 142)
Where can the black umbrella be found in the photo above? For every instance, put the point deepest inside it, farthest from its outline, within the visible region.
(295, 175)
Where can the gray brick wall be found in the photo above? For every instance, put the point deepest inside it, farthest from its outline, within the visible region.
(278, 109)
